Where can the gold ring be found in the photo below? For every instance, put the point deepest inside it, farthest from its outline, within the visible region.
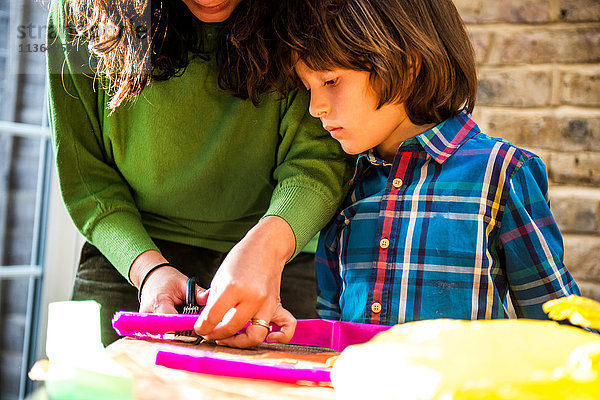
(261, 322)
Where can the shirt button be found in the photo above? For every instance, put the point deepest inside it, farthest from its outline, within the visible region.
(376, 307)
(384, 243)
(397, 183)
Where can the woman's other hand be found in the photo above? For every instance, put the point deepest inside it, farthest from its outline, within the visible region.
(163, 289)
(247, 284)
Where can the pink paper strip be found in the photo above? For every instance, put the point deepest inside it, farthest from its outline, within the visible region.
(129, 323)
(336, 335)
(207, 363)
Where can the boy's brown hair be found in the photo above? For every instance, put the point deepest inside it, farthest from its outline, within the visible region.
(417, 51)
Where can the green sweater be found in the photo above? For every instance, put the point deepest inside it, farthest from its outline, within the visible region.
(186, 161)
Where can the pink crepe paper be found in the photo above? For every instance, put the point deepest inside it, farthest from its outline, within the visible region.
(336, 335)
(129, 323)
(209, 363)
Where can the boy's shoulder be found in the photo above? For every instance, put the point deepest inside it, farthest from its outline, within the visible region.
(482, 152)
(482, 143)
(460, 140)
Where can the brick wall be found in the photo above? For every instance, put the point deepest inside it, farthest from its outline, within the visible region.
(539, 87)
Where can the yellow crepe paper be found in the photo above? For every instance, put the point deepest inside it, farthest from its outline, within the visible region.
(578, 310)
(472, 360)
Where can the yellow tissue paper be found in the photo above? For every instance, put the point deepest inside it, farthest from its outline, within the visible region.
(578, 310)
(454, 359)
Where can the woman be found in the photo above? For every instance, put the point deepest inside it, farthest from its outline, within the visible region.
(179, 160)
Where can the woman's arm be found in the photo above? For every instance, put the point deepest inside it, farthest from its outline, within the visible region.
(311, 174)
(97, 198)
(247, 284)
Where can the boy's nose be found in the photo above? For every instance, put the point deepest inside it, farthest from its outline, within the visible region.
(318, 108)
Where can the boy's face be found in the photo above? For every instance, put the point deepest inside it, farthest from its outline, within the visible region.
(347, 106)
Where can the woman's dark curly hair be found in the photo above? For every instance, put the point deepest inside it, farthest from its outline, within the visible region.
(130, 55)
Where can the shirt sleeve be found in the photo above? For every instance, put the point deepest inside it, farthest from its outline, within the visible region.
(329, 281)
(96, 196)
(532, 243)
(312, 172)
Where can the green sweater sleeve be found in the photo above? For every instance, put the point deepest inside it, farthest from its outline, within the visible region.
(97, 198)
(310, 167)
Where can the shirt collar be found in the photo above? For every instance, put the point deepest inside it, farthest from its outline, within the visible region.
(440, 142)
(366, 159)
(374, 158)
(444, 139)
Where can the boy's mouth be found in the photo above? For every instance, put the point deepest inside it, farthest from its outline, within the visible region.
(333, 130)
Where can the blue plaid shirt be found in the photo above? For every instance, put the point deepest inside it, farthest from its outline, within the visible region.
(456, 222)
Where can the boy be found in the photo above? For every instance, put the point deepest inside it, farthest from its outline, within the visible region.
(442, 220)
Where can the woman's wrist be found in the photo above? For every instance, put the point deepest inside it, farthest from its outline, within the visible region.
(274, 234)
(141, 266)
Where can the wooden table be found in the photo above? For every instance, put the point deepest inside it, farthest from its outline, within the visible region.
(158, 383)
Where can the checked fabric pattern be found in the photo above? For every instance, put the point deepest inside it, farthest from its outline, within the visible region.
(454, 224)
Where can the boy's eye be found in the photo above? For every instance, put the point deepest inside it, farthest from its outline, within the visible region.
(330, 82)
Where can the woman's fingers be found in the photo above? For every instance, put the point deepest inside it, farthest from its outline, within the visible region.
(258, 330)
(253, 336)
(287, 322)
(223, 316)
(232, 319)
(255, 333)
(248, 281)
(230, 305)
(164, 308)
(212, 314)
(202, 295)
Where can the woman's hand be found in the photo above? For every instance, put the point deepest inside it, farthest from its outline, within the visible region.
(164, 288)
(247, 285)
(286, 322)
(282, 317)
